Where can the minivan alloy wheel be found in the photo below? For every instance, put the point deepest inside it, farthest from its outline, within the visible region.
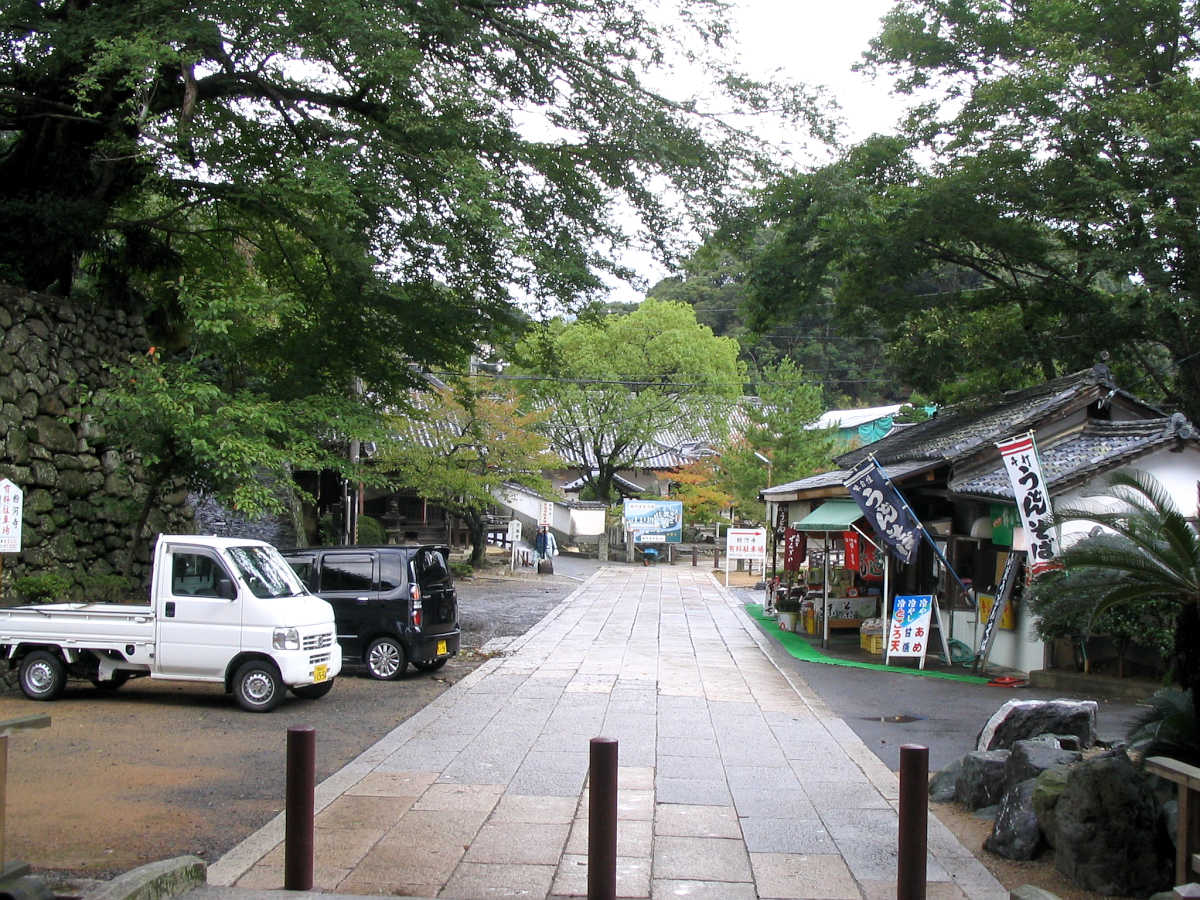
(386, 659)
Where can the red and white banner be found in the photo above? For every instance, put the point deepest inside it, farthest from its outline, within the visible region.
(850, 542)
(1033, 501)
(795, 549)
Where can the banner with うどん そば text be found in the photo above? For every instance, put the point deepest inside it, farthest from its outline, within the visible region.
(885, 509)
(1033, 501)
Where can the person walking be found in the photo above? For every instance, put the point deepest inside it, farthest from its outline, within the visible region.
(545, 548)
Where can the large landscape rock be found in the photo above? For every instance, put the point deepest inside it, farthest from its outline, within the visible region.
(943, 785)
(1019, 720)
(980, 781)
(1107, 837)
(1016, 834)
(1029, 759)
(1048, 788)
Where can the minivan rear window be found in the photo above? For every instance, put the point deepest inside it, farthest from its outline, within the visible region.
(431, 566)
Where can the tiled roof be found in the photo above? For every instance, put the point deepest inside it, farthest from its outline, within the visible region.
(623, 483)
(1099, 447)
(836, 477)
(962, 428)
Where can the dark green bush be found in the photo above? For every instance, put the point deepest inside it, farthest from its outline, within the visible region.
(47, 587)
(371, 532)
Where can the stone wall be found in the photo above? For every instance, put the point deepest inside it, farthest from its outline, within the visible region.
(82, 497)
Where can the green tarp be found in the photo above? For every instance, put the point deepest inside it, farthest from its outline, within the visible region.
(832, 515)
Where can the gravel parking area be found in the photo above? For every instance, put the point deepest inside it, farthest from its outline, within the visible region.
(159, 769)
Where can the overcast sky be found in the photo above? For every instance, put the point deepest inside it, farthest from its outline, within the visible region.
(811, 41)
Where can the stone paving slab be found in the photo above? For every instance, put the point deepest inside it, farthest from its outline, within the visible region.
(735, 781)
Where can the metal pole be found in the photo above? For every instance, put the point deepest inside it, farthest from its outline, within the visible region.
(914, 822)
(602, 819)
(299, 806)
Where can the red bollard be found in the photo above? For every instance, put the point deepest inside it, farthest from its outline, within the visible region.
(602, 819)
(299, 806)
(914, 822)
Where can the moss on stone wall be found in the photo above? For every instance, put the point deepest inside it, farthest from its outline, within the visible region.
(81, 493)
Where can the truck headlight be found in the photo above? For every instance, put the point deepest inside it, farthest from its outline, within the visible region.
(285, 639)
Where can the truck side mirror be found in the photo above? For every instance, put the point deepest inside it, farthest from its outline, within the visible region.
(225, 587)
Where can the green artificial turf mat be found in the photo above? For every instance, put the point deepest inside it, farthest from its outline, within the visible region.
(803, 648)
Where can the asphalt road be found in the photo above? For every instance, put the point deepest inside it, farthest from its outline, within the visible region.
(889, 709)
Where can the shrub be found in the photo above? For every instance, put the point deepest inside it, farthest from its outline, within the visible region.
(462, 568)
(48, 587)
(371, 531)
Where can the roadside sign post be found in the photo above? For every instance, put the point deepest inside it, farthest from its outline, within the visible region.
(11, 504)
(745, 543)
(514, 538)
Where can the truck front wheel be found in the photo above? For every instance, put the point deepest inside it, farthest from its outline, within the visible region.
(43, 675)
(257, 686)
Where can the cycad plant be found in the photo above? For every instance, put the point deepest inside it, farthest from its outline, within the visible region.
(1144, 554)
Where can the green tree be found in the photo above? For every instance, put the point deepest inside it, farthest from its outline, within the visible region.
(1040, 204)
(1145, 555)
(780, 427)
(697, 486)
(307, 196)
(718, 281)
(460, 445)
(236, 444)
(619, 386)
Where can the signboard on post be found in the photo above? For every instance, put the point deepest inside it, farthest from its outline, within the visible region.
(11, 504)
(654, 521)
(908, 631)
(745, 543)
(514, 538)
(546, 513)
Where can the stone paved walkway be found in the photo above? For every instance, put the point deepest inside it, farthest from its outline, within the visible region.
(735, 782)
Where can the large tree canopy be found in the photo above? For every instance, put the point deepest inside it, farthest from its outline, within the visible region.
(476, 146)
(312, 195)
(623, 386)
(1044, 193)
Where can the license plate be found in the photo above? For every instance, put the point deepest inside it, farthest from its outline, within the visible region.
(320, 673)
(441, 648)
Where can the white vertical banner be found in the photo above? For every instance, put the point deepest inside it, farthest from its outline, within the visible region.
(11, 504)
(1033, 501)
(546, 513)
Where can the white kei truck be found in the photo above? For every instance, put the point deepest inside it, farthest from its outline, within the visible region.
(222, 610)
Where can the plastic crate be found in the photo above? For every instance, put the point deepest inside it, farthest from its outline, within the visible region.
(872, 643)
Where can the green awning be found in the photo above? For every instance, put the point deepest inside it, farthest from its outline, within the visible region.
(832, 515)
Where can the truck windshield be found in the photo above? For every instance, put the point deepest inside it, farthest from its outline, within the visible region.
(265, 572)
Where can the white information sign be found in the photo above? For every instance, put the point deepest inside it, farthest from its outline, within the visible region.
(546, 513)
(514, 530)
(746, 543)
(11, 500)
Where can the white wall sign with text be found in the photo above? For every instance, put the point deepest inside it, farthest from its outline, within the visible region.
(11, 500)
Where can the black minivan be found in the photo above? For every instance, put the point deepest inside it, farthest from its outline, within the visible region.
(392, 605)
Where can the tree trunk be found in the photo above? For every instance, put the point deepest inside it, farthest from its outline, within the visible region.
(478, 540)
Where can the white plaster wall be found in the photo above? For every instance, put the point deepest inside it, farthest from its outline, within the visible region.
(1021, 649)
(566, 520)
